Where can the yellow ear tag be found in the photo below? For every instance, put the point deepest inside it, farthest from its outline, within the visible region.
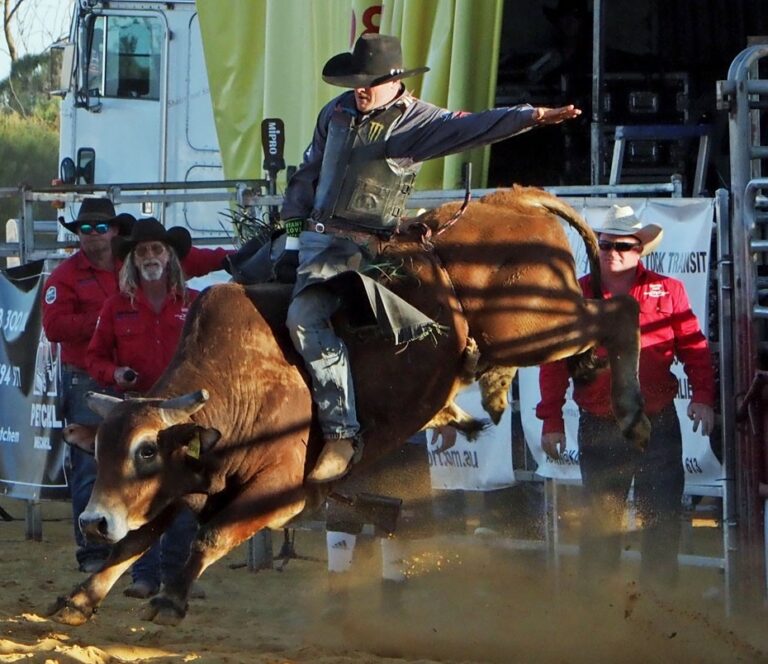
(193, 449)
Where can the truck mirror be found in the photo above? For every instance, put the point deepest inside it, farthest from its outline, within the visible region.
(68, 171)
(60, 71)
(86, 164)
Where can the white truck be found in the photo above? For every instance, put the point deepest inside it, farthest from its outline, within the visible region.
(136, 107)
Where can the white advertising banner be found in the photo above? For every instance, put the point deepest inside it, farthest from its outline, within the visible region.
(483, 465)
(684, 254)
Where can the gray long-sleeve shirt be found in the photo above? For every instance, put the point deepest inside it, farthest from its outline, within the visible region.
(425, 131)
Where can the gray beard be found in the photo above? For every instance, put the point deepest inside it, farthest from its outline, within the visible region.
(151, 273)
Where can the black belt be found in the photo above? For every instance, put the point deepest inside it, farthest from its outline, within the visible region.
(340, 227)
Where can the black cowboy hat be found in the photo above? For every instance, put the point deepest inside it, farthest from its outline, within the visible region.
(577, 8)
(95, 210)
(151, 230)
(374, 60)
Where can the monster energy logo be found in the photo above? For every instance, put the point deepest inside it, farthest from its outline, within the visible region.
(374, 131)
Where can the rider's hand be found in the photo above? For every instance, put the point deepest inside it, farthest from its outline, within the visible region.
(545, 116)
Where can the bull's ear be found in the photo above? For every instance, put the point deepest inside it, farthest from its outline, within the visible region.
(208, 439)
(101, 404)
(80, 436)
(202, 441)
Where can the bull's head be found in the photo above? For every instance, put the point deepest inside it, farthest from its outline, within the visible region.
(149, 454)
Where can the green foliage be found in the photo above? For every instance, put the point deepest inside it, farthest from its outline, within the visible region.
(248, 225)
(29, 149)
(25, 91)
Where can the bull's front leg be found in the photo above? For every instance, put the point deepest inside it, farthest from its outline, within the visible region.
(620, 325)
(81, 603)
(235, 523)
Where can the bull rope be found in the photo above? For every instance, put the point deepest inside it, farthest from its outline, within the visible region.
(467, 198)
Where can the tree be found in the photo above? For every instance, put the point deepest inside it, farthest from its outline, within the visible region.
(30, 26)
(10, 8)
(25, 91)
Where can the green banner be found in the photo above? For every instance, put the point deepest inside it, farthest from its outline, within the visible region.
(264, 59)
(459, 41)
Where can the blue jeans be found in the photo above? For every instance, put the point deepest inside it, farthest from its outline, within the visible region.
(608, 464)
(165, 560)
(75, 384)
(325, 356)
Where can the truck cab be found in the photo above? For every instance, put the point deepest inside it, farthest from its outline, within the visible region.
(136, 107)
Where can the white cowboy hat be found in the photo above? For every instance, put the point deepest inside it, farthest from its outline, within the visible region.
(621, 220)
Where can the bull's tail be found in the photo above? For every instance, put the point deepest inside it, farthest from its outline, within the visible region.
(580, 225)
(584, 366)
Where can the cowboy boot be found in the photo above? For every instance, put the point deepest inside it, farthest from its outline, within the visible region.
(334, 462)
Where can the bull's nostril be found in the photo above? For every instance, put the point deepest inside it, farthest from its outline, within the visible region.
(94, 527)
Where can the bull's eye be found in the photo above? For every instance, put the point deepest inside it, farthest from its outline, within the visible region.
(147, 452)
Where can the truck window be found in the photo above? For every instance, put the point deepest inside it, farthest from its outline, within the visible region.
(125, 57)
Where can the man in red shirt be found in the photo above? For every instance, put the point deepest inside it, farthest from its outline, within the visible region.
(609, 463)
(74, 295)
(135, 338)
(139, 327)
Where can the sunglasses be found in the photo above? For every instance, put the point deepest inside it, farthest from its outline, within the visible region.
(621, 247)
(89, 229)
(145, 249)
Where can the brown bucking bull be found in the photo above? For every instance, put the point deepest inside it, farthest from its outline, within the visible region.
(228, 428)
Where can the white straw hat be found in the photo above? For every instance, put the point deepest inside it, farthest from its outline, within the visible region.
(621, 220)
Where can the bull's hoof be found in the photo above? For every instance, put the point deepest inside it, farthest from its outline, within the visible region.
(494, 390)
(472, 428)
(494, 413)
(164, 610)
(639, 433)
(64, 611)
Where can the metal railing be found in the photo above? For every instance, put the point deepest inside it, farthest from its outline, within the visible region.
(744, 96)
(29, 238)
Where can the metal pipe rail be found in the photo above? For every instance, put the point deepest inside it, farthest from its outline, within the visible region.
(245, 193)
(90, 189)
(435, 198)
(741, 96)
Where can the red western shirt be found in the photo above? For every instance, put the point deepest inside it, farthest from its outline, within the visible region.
(134, 335)
(668, 329)
(76, 291)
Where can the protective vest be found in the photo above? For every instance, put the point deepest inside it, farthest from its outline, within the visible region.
(358, 184)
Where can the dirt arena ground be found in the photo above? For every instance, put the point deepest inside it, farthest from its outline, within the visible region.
(466, 600)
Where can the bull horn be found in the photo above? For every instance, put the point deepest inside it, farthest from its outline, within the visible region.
(177, 409)
(101, 404)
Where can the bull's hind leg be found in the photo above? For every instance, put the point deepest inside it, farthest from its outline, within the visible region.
(619, 332)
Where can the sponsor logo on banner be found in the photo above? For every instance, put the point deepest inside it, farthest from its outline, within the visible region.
(46, 369)
(42, 443)
(31, 449)
(8, 435)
